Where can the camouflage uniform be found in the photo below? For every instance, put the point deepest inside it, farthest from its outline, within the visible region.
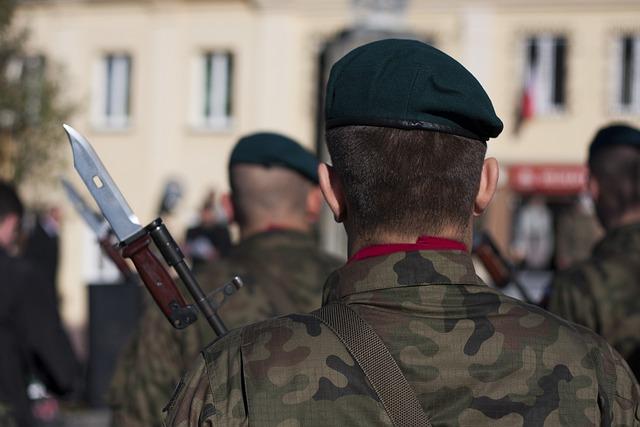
(473, 356)
(603, 292)
(283, 272)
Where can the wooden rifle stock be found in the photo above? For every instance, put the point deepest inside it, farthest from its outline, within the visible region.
(499, 268)
(159, 284)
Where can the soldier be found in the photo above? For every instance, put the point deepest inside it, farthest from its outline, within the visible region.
(603, 292)
(275, 199)
(33, 340)
(408, 333)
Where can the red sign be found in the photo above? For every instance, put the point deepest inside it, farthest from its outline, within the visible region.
(548, 179)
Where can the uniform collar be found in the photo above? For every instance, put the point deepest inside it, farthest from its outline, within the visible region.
(401, 269)
(423, 243)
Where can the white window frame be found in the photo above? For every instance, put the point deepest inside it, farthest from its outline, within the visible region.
(543, 91)
(111, 106)
(212, 106)
(617, 107)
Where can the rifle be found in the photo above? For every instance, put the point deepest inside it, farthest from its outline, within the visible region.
(502, 272)
(135, 242)
(100, 228)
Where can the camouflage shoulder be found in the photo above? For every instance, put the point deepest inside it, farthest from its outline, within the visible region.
(617, 388)
(194, 399)
(291, 370)
(617, 385)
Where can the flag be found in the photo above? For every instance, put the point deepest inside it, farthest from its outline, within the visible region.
(543, 79)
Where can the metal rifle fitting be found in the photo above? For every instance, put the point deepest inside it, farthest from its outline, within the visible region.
(175, 258)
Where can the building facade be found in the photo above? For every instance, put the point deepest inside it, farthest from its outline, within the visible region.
(165, 87)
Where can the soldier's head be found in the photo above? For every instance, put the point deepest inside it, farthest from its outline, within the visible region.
(274, 184)
(11, 211)
(407, 127)
(614, 181)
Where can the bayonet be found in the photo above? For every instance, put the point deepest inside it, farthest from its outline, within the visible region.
(96, 223)
(135, 240)
(114, 207)
(100, 228)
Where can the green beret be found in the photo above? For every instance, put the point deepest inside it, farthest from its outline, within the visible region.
(407, 84)
(619, 134)
(272, 149)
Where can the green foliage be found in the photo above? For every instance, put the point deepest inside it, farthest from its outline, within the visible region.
(31, 111)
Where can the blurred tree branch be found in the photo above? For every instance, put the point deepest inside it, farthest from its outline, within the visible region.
(31, 110)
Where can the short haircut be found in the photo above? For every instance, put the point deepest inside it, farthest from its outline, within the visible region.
(617, 169)
(267, 193)
(9, 201)
(406, 182)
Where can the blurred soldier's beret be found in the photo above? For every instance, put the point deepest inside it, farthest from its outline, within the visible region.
(272, 149)
(618, 134)
(407, 84)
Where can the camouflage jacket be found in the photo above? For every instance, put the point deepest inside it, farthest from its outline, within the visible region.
(283, 272)
(603, 292)
(473, 356)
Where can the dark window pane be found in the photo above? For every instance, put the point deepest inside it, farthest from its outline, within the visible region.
(229, 104)
(208, 81)
(127, 83)
(626, 88)
(560, 71)
(532, 52)
(109, 89)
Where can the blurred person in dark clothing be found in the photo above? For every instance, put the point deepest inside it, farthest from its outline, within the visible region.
(33, 341)
(43, 243)
(209, 239)
(603, 292)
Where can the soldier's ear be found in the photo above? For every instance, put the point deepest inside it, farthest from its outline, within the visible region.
(488, 185)
(332, 191)
(313, 204)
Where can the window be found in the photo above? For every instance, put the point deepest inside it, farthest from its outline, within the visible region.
(113, 103)
(213, 93)
(626, 93)
(545, 74)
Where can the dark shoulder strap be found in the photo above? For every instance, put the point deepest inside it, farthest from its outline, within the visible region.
(382, 371)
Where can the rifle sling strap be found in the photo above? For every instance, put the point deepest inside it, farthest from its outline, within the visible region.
(382, 371)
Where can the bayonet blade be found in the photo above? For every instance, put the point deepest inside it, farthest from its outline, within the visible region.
(93, 219)
(112, 203)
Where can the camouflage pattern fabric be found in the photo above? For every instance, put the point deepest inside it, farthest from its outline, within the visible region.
(603, 292)
(473, 355)
(283, 272)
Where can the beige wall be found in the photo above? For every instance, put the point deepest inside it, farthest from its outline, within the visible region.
(276, 46)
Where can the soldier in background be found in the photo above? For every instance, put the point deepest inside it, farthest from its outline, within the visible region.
(603, 292)
(32, 341)
(406, 129)
(577, 232)
(209, 239)
(275, 201)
